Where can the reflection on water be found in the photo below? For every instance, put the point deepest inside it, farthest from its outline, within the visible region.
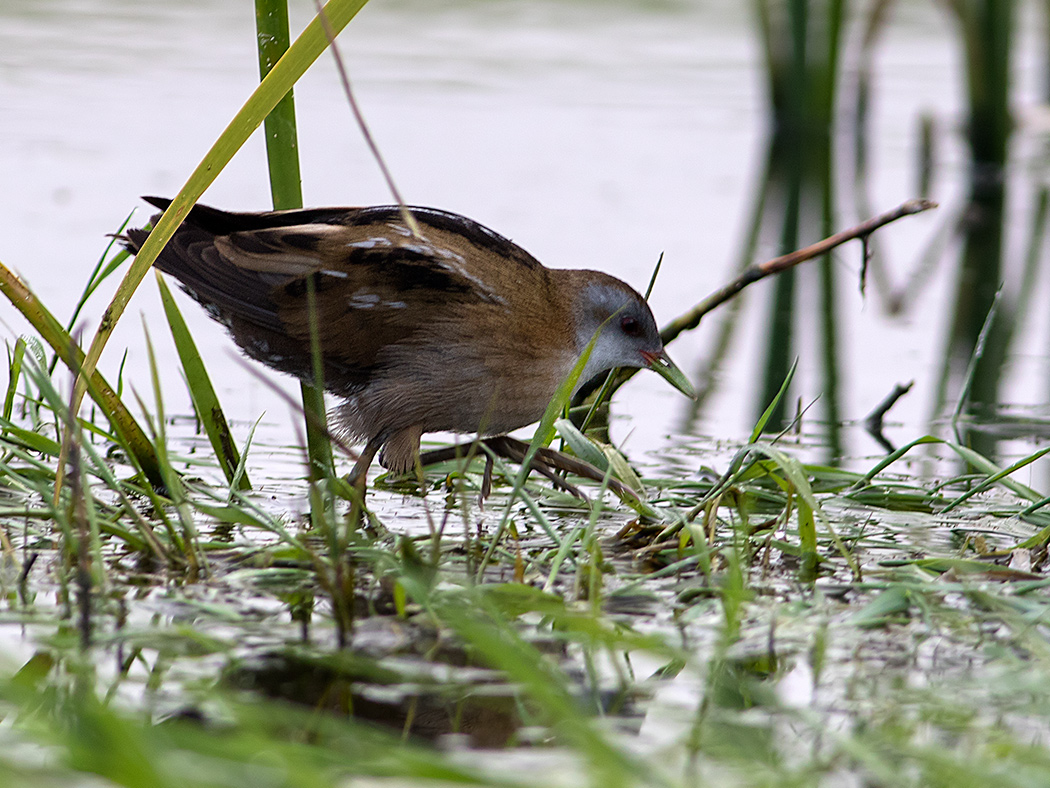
(596, 135)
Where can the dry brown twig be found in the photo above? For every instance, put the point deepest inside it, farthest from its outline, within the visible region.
(691, 319)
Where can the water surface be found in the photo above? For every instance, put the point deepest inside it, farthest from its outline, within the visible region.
(594, 134)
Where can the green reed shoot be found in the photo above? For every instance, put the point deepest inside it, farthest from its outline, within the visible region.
(202, 393)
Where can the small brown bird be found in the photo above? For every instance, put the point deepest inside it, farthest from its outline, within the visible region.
(457, 329)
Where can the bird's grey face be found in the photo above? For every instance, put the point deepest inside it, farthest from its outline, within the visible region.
(623, 325)
(626, 331)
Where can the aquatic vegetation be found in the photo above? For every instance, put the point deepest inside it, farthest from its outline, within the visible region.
(753, 617)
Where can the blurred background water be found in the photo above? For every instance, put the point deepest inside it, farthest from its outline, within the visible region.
(601, 135)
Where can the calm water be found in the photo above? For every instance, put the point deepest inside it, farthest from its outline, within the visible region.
(595, 134)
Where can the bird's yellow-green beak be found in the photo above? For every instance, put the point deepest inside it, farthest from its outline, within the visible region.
(661, 364)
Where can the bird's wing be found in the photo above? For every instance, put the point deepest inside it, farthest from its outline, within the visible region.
(374, 284)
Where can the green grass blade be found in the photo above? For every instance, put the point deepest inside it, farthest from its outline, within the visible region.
(807, 538)
(474, 619)
(40, 379)
(52, 332)
(995, 475)
(173, 483)
(14, 367)
(975, 360)
(542, 437)
(100, 273)
(978, 461)
(891, 458)
(530, 503)
(582, 446)
(274, 38)
(768, 412)
(609, 459)
(205, 400)
(34, 441)
(796, 475)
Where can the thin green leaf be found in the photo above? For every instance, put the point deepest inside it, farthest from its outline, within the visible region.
(14, 367)
(67, 349)
(542, 437)
(760, 426)
(205, 400)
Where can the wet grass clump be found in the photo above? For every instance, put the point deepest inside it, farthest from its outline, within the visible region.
(172, 618)
(767, 622)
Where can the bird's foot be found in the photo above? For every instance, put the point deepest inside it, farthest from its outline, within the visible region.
(547, 462)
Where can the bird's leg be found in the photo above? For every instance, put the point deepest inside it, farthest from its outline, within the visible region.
(515, 450)
(547, 461)
(486, 479)
(359, 473)
(401, 449)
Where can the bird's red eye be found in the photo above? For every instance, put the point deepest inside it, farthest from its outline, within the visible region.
(631, 326)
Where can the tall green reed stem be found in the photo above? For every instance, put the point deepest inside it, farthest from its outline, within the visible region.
(282, 154)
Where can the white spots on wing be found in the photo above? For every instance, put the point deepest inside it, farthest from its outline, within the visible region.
(376, 242)
(337, 274)
(362, 299)
(447, 254)
(402, 239)
(258, 348)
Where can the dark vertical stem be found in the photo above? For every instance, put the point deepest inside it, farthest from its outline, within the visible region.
(318, 447)
(989, 37)
(802, 42)
(780, 329)
(987, 30)
(282, 153)
(798, 97)
(79, 532)
(829, 318)
(83, 557)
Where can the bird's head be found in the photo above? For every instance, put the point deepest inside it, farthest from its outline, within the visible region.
(626, 332)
